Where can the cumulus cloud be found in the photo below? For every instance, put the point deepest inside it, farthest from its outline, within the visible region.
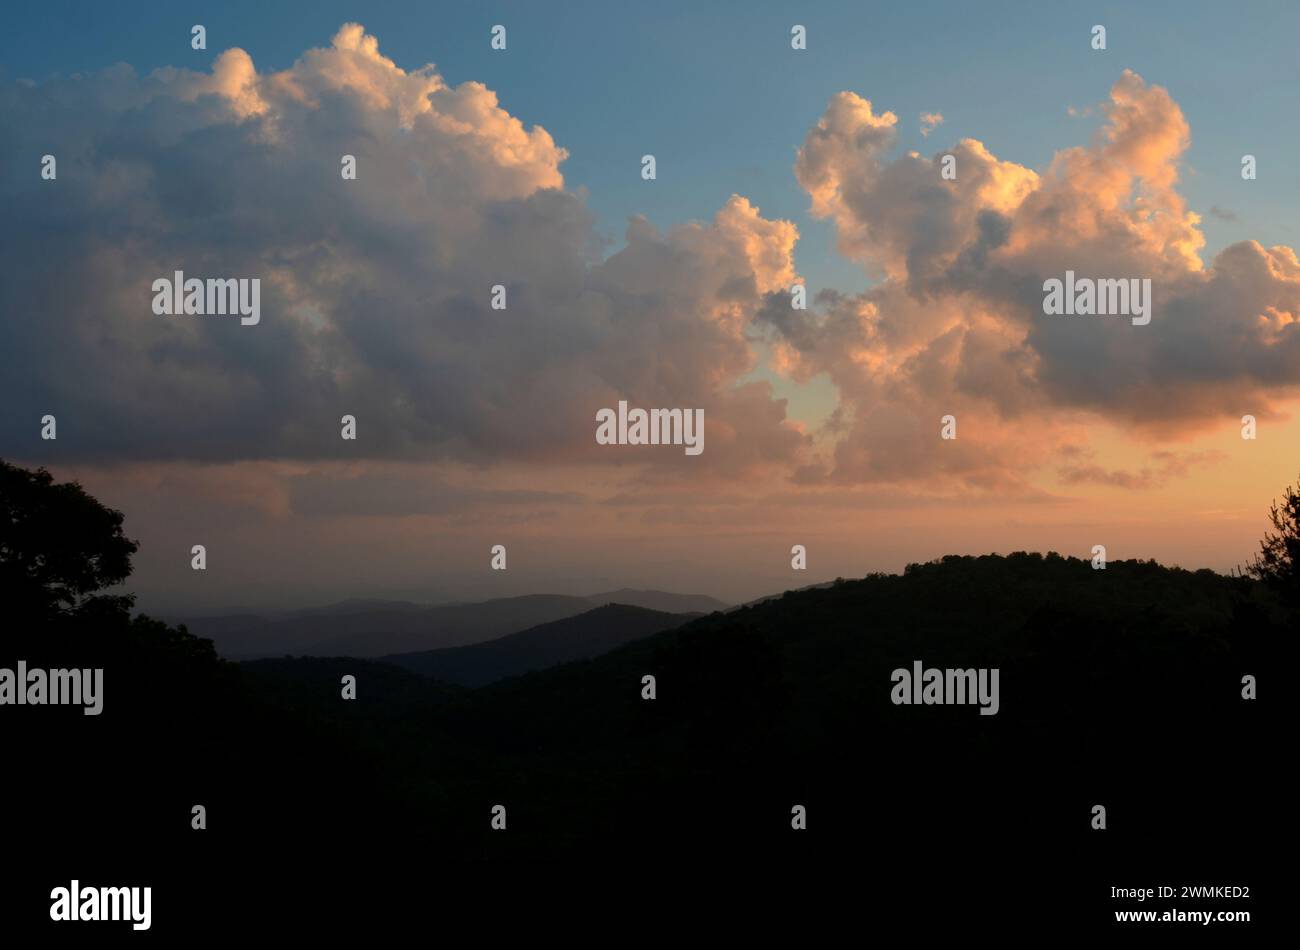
(375, 293)
(929, 122)
(955, 324)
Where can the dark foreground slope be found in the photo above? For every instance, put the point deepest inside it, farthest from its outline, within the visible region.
(562, 641)
(1119, 687)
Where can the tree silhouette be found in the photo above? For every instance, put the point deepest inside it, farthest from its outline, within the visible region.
(1278, 563)
(58, 545)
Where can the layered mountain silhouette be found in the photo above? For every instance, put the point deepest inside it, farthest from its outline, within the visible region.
(1120, 687)
(369, 628)
(574, 638)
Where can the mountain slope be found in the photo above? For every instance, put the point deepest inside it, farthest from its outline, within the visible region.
(370, 632)
(660, 600)
(561, 641)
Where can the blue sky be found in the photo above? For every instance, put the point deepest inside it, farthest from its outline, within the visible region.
(716, 93)
(477, 430)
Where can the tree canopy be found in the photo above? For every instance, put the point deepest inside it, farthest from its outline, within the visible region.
(1279, 556)
(58, 545)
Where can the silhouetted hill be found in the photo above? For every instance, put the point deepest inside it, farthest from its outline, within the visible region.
(661, 600)
(561, 641)
(759, 600)
(1120, 687)
(372, 628)
(370, 632)
(788, 701)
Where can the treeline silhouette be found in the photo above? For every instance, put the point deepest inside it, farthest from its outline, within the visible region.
(1120, 687)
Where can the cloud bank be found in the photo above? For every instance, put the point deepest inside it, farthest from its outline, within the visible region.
(376, 292)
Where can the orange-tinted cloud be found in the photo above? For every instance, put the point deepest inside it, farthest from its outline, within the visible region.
(956, 324)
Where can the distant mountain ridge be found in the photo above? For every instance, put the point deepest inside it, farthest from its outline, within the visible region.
(373, 628)
(358, 605)
(660, 600)
(390, 629)
(581, 637)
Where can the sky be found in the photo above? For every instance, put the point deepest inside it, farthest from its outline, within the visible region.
(523, 167)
